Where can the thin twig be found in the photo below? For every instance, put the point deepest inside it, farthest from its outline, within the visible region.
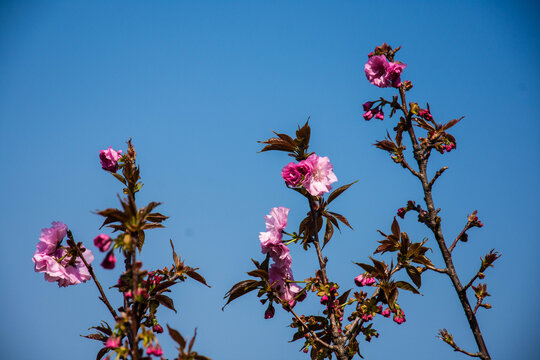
(442, 271)
(414, 172)
(323, 343)
(103, 297)
(471, 282)
(459, 236)
(437, 174)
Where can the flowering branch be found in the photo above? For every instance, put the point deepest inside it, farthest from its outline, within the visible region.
(383, 72)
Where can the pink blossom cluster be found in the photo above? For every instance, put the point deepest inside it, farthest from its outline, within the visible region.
(280, 271)
(103, 242)
(109, 159)
(154, 350)
(364, 280)
(51, 258)
(399, 316)
(382, 73)
(315, 174)
(371, 111)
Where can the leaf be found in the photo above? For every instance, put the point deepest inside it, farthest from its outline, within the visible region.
(175, 335)
(395, 227)
(163, 286)
(386, 145)
(343, 297)
(120, 178)
(156, 217)
(96, 336)
(339, 191)
(303, 135)
(175, 256)
(151, 226)
(196, 276)
(414, 275)
(165, 301)
(102, 352)
(368, 268)
(240, 289)
(341, 218)
(277, 144)
(451, 123)
(328, 233)
(263, 274)
(406, 286)
(192, 341)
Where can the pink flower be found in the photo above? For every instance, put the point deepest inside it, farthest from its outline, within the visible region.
(322, 176)
(103, 242)
(376, 69)
(51, 237)
(382, 73)
(394, 73)
(113, 342)
(50, 258)
(364, 280)
(277, 276)
(379, 115)
(305, 168)
(277, 219)
(271, 244)
(109, 159)
(386, 312)
(399, 316)
(109, 261)
(291, 175)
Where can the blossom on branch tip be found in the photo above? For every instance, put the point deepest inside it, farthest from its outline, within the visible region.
(103, 242)
(53, 260)
(382, 73)
(364, 280)
(322, 176)
(368, 115)
(367, 105)
(269, 313)
(109, 159)
(399, 316)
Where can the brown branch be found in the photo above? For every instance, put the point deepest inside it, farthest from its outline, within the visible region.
(442, 271)
(103, 297)
(414, 172)
(478, 303)
(134, 322)
(437, 174)
(467, 227)
(434, 224)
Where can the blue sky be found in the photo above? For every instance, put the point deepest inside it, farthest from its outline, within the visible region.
(196, 84)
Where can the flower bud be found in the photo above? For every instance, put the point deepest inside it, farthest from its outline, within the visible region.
(158, 329)
(269, 313)
(109, 159)
(103, 242)
(110, 261)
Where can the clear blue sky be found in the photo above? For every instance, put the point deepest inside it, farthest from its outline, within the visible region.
(196, 84)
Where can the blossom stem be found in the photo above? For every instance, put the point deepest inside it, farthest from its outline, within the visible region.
(103, 297)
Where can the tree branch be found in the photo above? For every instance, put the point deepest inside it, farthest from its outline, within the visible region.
(103, 297)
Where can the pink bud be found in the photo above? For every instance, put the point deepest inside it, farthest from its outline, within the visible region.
(380, 115)
(158, 329)
(113, 342)
(368, 115)
(386, 313)
(103, 242)
(128, 294)
(324, 299)
(401, 213)
(269, 313)
(110, 261)
(367, 105)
